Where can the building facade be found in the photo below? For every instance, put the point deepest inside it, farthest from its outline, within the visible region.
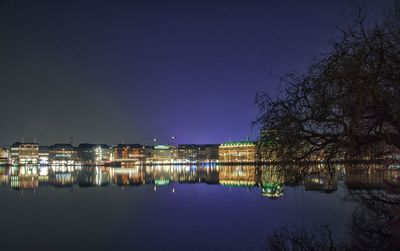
(24, 153)
(201, 153)
(239, 152)
(94, 153)
(128, 153)
(44, 155)
(188, 152)
(62, 154)
(4, 156)
(163, 153)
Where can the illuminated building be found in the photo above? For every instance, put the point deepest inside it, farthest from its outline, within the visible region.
(93, 154)
(148, 152)
(174, 153)
(189, 152)
(211, 152)
(43, 155)
(24, 153)
(128, 153)
(86, 153)
(199, 153)
(62, 154)
(101, 154)
(4, 156)
(239, 152)
(162, 153)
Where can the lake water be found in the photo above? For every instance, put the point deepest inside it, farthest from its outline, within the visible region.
(172, 207)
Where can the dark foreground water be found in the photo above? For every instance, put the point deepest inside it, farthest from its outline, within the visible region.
(172, 207)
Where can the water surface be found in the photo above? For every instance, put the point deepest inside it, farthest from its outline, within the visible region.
(169, 207)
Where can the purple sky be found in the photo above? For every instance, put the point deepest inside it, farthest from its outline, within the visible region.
(107, 71)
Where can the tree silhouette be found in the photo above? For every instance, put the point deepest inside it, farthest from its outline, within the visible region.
(346, 105)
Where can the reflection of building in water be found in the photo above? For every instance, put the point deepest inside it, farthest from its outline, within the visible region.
(58, 179)
(127, 176)
(325, 183)
(27, 170)
(322, 178)
(241, 151)
(393, 182)
(4, 178)
(24, 153)
(24, 177)
(186, 174)
(148, 152)
(24, 182)
(93, 176)
(43, 175)
(4, 156)
(93, 154)
(366, 177)
(208, 174)
(272, 182)
(162, 175)
(369, 176)
(128, 153)
(238, 175)
(62, 154)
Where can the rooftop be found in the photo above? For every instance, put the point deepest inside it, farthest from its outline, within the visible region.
(238, 143)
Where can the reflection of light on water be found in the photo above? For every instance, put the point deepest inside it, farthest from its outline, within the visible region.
(272, 190)
(43, 170)
(98, 176)
(161, 182)
(269, 181)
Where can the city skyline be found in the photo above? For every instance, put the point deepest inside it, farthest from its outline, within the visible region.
(200, 125)
(67, 155)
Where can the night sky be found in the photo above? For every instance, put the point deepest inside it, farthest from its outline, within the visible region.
(112, 71)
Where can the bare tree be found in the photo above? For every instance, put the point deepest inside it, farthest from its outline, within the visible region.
(345, 106)
(376, 220)
(302, 239)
